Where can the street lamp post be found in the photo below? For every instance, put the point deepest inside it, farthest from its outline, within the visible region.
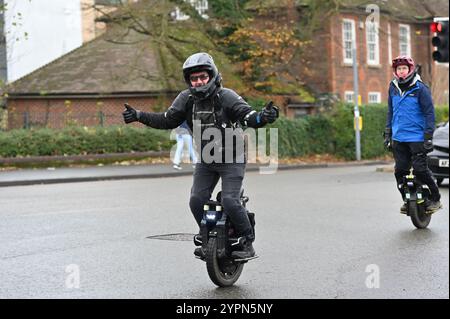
(356, 109)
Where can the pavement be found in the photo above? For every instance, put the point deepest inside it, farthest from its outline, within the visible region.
(52, 175)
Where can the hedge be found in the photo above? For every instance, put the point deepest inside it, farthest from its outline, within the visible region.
(374, 121)
(82, 140)
(331, 133)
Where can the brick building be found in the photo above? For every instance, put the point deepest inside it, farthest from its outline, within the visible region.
(377, 43)
(381, 31)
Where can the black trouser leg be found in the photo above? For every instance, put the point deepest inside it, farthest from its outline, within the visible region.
(421, 170)
(205, 179)
(402, 156)
(232, 177)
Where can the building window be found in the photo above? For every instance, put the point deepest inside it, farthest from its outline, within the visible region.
(404, 40)
(374, 97)
(372, 42)
(348, 38)
(200, 5)
(349, 97)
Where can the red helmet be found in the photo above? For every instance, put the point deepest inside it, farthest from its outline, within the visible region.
(404, 60)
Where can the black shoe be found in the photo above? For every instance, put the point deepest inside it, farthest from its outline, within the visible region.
(200, 253)
(433, 206)
(247, 252)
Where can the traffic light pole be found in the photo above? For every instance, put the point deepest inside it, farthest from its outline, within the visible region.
(356, 109)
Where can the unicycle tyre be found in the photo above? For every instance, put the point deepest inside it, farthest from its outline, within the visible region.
(418, 215)
(224, 271)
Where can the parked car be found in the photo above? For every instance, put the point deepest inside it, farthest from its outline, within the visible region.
(438, 158)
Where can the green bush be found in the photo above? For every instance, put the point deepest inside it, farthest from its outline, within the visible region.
(331, 133)
(82, 140)
(342, 132)
(374, 121)
(441, 113)
(304, 136)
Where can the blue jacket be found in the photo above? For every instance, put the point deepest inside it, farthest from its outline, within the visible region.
(411, 113)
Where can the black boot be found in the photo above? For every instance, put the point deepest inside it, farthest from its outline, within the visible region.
(247, 251)
(200, 253)
(433, 206)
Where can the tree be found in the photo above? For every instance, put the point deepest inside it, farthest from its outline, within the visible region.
(151, 22)
(271, 39)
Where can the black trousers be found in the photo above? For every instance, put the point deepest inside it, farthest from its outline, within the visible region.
(407, 154)
(206, 177)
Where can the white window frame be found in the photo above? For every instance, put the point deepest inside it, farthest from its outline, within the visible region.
(372, 27)
(200, 5)
(348, 60)
(349, 97)
(377, 96)
(408, 40)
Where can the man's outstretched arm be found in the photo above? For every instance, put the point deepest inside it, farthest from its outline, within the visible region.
(172, 118)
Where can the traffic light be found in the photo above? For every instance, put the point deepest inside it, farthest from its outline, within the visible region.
(440, 40)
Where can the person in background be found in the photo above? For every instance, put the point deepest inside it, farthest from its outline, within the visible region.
(409, 128)
(184, 137)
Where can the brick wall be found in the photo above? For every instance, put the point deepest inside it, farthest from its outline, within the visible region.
(60, 112)
(440, 86)
(316, 72)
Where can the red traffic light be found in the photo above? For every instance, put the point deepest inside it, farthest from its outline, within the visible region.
(436, 27)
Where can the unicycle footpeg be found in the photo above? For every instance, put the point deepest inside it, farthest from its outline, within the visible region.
(246, 259)
(237, 241)
(202, 259)
(198, 240)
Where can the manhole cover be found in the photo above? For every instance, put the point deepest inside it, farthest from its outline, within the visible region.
(178, 236)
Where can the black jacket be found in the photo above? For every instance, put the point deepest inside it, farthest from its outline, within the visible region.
(223, 110)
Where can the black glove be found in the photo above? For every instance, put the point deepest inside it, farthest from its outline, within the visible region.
(130, 114)
(428, 143)
(388, 139)
(269, 113)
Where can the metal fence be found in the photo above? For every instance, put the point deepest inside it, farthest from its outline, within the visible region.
(28, 120)
(49, 120)
(60, 113)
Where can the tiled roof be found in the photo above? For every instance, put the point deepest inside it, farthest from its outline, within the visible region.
(99, 66)
(405, 9)
(105, 67)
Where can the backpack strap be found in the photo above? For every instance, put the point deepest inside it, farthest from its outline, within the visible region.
(221, 114)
